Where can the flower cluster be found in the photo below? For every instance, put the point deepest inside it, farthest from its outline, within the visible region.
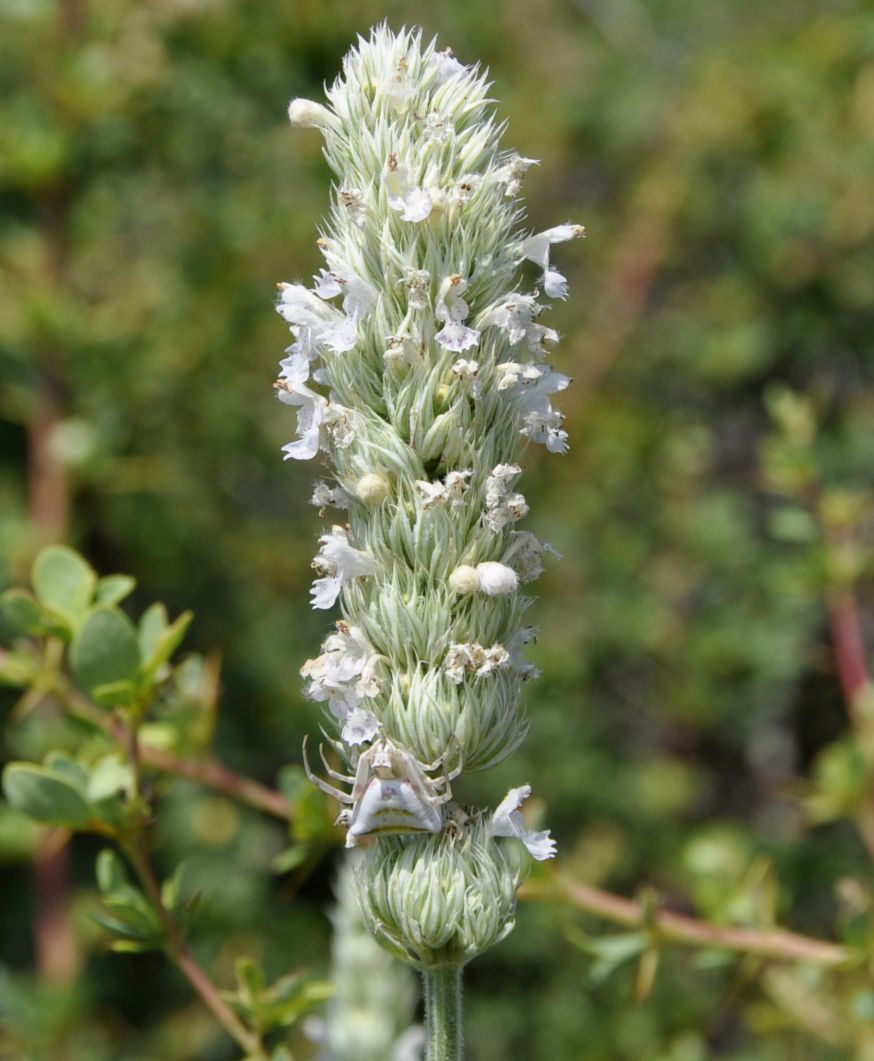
(419, 368)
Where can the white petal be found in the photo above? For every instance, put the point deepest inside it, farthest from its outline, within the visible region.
(417, 205)
(457, 336)
(555, 284)
(507, 821)
(325, 592)
(360, 726)
(342, 336)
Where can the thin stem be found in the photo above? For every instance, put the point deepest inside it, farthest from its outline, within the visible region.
(176, 947)
(849, 649)
(210, 772)
(214, 774)
(677, 928)
(444, 1023)
(182, 957)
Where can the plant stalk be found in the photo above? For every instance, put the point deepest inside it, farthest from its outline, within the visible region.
(444, 1021)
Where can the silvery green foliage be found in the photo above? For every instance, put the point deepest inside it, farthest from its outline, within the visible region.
(419, 369)
(370, 1016)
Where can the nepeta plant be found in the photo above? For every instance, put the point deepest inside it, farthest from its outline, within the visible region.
(419, 369)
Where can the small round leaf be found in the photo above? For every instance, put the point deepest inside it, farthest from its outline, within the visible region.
(105, 649)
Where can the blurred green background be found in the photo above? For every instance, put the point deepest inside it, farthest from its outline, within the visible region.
(721, 157)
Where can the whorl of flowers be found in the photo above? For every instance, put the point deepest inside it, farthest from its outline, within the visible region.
(419, 368)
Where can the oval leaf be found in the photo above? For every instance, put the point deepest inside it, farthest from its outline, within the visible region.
(44, 795)
(30, 616)
(114, 588)
(105, 650)
(166, 645)
(64, 581)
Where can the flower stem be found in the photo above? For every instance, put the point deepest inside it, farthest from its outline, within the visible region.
(443, 1013)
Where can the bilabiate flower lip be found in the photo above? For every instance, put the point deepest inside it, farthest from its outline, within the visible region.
(420, 370)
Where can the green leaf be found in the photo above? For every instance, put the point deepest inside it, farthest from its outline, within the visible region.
(153, 623)
(110, 871)
(45, 795)
(70, 770)
(250, 980)
(64, 581)
(114, 588)
(18, 669)
(30, 616)
(109, 777)
(105, 650)
(19, 835)
(165, 645)
(291, 858)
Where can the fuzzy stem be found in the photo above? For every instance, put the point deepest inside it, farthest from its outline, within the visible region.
(444, 1022)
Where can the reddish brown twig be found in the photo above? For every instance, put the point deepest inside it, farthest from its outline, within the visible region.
(774, 943)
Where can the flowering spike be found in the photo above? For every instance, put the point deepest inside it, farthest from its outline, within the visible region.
(419, 368)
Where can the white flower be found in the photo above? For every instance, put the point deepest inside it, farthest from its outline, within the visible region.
(324, 495)
(508, 821)
(397, 88)
(343, 674)
(544, 425)
(502, 507)
(359, 726)
(536, 249)
(526, 552)
(414, 203)
(527, 635)
(417, 283)
(340, 421)
(516, 315)
(450, 490)
(309, 114)
(401, 350)
(512, 172)
(437, 128)
(352, 199)
(431, 494)
(496, 579)
(446, 65)
(453, 310)
(341, 562)
(325, 325)
(291, 389)
(498, 482)
(473, 658)
(359, 298)
(458, 659)
(532, 384)
(467, 374)
(456, 483)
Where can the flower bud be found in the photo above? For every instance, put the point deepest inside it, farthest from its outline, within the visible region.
(464, 580)
(372, 489)
(496, 579)
(311, 115)
(439, 900)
